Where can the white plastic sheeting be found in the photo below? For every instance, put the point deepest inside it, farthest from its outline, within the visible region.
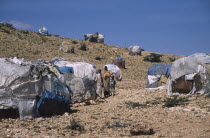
(21, 83)
(135, 49)
(115, 70)
(83, 83)
(190, 76)
(18, 87)
(196, 64)
(94, 37)
(43, 30)
(153, 78)
(100, 38)
(189, 65)
(11, 72)
(81, 69)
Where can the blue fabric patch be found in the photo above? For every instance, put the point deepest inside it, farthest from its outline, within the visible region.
(58, 59)
(66, 69)
(120, 58)
(160, 69)
(54, 96)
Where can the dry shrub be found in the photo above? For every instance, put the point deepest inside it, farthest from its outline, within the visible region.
(131, 104)
(170, 102)
(74, 125)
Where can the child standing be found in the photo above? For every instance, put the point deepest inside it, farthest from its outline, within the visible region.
(112, 85)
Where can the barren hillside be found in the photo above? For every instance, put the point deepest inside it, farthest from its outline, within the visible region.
(111, 117)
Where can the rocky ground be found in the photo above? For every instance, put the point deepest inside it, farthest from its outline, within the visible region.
(115, 117)
(134, 108)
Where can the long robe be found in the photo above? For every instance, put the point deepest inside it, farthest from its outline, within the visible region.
(106, 81)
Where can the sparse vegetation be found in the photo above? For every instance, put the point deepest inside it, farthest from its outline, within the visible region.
(98, 58)
(74, 42)
(172, 59)
(25, 31)
(153, 102)
(175, 100)
(131, 104)
(139, 129)
(74, 125)
(207, 95)
(153, 57)
(83, 47)
(5, 24)
(115, 124)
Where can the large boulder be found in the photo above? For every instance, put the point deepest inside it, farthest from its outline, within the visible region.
(66, 47)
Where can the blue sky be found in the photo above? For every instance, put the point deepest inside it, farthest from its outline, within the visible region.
(180, 27)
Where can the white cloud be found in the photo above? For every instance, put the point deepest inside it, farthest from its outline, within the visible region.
(21, 25)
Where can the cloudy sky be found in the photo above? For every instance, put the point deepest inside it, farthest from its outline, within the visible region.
(180, 27)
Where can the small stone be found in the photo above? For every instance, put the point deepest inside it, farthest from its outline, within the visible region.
(138, 129)
(186, 110)
(66, 114)
(39, 119)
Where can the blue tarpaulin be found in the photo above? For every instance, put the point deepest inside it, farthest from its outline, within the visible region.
(54, 96)
(160, 69)
(66, 69)
(57, 59)
(120, 58)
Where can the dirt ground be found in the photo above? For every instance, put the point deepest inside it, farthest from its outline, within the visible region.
(113, 117)
(132, 108)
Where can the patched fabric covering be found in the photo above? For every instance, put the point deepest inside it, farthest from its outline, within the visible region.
(82, 82)
(160, 69)
(189, 65)
(195, 68)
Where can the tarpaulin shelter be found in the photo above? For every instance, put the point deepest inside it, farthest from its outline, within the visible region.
(190, 75)
(43, 30)
(119, 61)
(134, 50)
(23, 84)
(94, 37)
(114, 70)
(158, 74)
(82, 81)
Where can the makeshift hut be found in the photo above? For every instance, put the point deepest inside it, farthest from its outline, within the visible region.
(134, 50)
(119, 61)
(82, 81)
(158, 75)
(115, 70)
(31, 89)
(94, 37)
(43, 30)
(190, 75)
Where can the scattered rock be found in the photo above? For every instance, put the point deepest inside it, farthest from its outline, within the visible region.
(139, 129)
(186, 110)
(66, 114)
(116, 124)
(39, 119)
